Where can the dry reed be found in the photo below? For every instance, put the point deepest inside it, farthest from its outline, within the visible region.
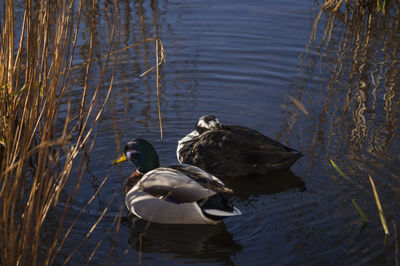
(37, 155)
(378, 5)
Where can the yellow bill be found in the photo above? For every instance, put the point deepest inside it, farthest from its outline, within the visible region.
(120, 159)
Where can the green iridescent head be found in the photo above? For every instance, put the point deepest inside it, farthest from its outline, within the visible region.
(142, 154)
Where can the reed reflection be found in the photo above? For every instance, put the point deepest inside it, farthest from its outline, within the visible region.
(347, 80)
(133, 48)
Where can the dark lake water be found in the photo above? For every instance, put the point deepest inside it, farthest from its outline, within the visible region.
(248, 63)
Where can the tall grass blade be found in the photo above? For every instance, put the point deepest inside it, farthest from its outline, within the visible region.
(340, 171)
(378, 204)
(383, 7)
(380, 5)
(158, 89)
(159, 60)
(364, 217)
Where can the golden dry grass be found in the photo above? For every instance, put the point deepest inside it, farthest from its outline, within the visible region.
(37, 155)
(40, 146)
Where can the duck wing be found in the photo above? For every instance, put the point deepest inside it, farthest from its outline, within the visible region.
(174, 185)
(238, 151)
(202, 177)
(254, 139)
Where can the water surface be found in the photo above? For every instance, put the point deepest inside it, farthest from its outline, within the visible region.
(245, 62)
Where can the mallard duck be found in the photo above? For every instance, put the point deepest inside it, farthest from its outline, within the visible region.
(177, 194)
(229, 151)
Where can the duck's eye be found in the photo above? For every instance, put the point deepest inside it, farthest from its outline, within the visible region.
(130, 153)
(214, 124)
(209, 118)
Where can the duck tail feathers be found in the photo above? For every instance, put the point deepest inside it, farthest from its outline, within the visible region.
(218, 207)
(297, 153)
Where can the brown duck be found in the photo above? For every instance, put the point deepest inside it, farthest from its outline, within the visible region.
(230, 151)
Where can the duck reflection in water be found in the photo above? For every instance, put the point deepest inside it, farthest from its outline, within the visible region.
(190, 243)
(267, 184)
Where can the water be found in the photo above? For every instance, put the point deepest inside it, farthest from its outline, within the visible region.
(245, 63)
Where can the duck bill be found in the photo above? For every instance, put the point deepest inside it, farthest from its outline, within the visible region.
(120, 159)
